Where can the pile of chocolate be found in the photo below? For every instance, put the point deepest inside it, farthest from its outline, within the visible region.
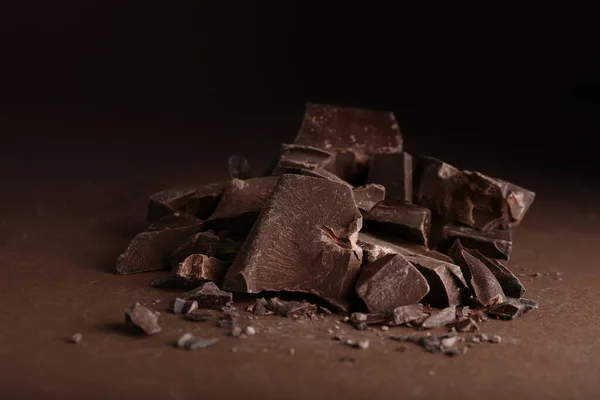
(345, 217)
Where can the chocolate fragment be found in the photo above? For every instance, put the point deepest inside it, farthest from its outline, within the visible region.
(291, 309)
(359, 319)
(511, 285)
(238, 167)
(441, 318)
(401, 219)
(198, 268)
(76, 338)
(302, 245)
(189, 307)
(367, 196)
(376, 246)
(199, 243)
(150, 249)
(483, 283)
(240, 204)
(390, 282)
(495, 244)
(260, 307)
(512, 308)
(209, 296)
(395, 172)
(298, 157)
(466, 325)
(191, 342)
(468, 197)
(407, 314)
(178, 305)
(142, 319)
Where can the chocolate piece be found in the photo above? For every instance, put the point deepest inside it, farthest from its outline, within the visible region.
(407, 314)
(209, 296)
(178, 305)
(466, 325)
(468, 197)
(441, 318)
(240, 204)
(150, 249)
(191, 342)
(483, 283)
(401, 219)
(354, 134)
(198, 268)
(142, 319)
(260, 307)
(395, 172)
(315, 173)
(300, 157)
(358, 318)
(494, 244)
(76, 338)
(511, 285)
(376, 246)
(198, 200)
(390, 282)
(299, 244)
(367, 196)
(238, 167)
(189, 307)
(445, 280)
(199, 243)
(512, 308)
(291, 309)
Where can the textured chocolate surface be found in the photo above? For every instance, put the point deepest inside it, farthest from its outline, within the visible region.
(403, 220)
(395, 172)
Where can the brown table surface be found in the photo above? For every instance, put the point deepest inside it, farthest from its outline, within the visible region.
(74, 193)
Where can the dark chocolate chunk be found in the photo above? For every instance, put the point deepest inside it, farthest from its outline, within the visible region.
(240, 204)
(238, 167)
(189, 306)
(407, 314)
(199, 243)
(483, 283)
(376, 246)
(354, 134)
(142, 319)
(315, 173)
(260, 307)
(150, 249)
(468, 197)
(445, 280)
(291, 309)
(198, 268)
(300, 157)
(511, 285)
(198, 200)
(367, 196)
(191, 342)
(401, 219)
(441, 318)
(495, 243)
(390, 282)
(466, 325)
(511, 308)
(395, 172)
(303, 241)
(209, 296)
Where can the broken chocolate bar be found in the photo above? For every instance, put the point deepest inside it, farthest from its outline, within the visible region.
(209, 296)
(195, 200)
(495, 243)
(412, 313)
(468, 197)
(483, 283)
(150, 249)
(440, 318)
(403, 220)
(240, 204)
(198, 268)
(142, 319)
(390, 282)
(299, 157)
(368, 196)
(238, 167)
(354, 134)
(302, 245)
(511, 285)
(395, 172)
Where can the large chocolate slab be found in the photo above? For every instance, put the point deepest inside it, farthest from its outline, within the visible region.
(403, 220)
(354, 134)
(368, 196)
(240, 204)
(395, 172)
(376, 246)
(303, 241)
(486, 288)
(390, 282)
(294, 156)
(198, 200)
(511, 285)
(494, 243)
(469, 197)
(150, 249)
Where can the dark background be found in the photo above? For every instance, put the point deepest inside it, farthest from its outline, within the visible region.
(518, 80)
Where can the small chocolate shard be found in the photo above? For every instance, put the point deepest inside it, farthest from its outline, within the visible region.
(358, 318)
(199, 268)
(240, 204)
(178, 305)
(511, 308)
(495, 243)
(238, 167)
(191, 342)
(150, 249)
(302, 245)
(395, 172)
(354, 134)
(401, 219)
(368, 196)
(466, 325)
(199, 243)
(76, 338)
(483, 283)
(291, 309)
(446, 281)
(198, 200)
(413, 313)
(468, 197)
(441, 318)
(298, 157)
(260, 307)
(189, 307)
(376, 246)
(209, 296)
(390, 282)
(511, 285)
(142, 319)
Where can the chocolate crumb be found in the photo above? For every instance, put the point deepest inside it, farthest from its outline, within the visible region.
(250, 331)
(191, 342)
(76, 338)
(141, 318)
